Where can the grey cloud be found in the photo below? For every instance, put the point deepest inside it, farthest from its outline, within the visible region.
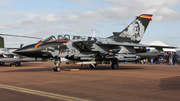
(162, 9)
(5, 2)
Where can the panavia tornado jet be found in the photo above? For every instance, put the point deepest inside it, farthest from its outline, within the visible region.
(120, 47)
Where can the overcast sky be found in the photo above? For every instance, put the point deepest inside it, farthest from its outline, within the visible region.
(42, 18)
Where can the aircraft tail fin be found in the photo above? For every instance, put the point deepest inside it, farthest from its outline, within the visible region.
(1, 42)
(135, 31)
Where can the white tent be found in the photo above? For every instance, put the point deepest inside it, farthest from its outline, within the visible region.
(158, 43)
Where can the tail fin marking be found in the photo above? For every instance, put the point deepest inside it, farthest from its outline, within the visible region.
(135, 31)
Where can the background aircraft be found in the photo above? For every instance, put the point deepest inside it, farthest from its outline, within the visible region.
(6, 55)
(14, 59)
(120, 47)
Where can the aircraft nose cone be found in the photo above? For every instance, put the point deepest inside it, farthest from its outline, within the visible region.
(26, 51)
(19, 51)
(16, 51)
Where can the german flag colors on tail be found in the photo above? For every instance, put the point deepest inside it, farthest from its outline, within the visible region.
(146, 16)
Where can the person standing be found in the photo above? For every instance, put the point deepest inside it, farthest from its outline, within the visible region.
(175, 56)
(168, 58)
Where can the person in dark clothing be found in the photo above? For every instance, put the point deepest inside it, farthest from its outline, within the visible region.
(168, 58)
(175, 56)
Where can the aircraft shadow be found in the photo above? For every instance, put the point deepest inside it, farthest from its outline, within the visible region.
(101, 67)
(172, 83)
(33, 69)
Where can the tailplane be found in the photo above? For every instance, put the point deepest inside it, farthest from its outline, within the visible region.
(135, 31)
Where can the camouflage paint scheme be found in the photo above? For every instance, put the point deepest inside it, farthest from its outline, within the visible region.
(91, 50)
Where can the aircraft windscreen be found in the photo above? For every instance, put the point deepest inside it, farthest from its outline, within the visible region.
(50, 39)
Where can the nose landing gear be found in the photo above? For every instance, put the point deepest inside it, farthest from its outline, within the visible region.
(57, 63)
(115, 65)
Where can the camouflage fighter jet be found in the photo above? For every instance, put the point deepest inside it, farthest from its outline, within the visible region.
(120, 47)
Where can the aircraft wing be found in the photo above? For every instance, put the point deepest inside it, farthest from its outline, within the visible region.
(132, 44)
(172, 47)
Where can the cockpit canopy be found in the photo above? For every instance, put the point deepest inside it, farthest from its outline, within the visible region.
(50, 39)
(66, 38)
(61, 37)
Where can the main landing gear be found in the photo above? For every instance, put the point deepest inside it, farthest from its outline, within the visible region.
(114, 65)
(57, 63)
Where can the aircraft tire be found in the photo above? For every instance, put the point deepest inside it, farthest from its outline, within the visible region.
(57, 69)
(115, 65)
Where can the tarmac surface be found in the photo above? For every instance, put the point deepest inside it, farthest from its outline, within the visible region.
(36, 81)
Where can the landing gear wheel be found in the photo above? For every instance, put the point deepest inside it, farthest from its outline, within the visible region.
(57, 69)
(57, 62)
(115, 65)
